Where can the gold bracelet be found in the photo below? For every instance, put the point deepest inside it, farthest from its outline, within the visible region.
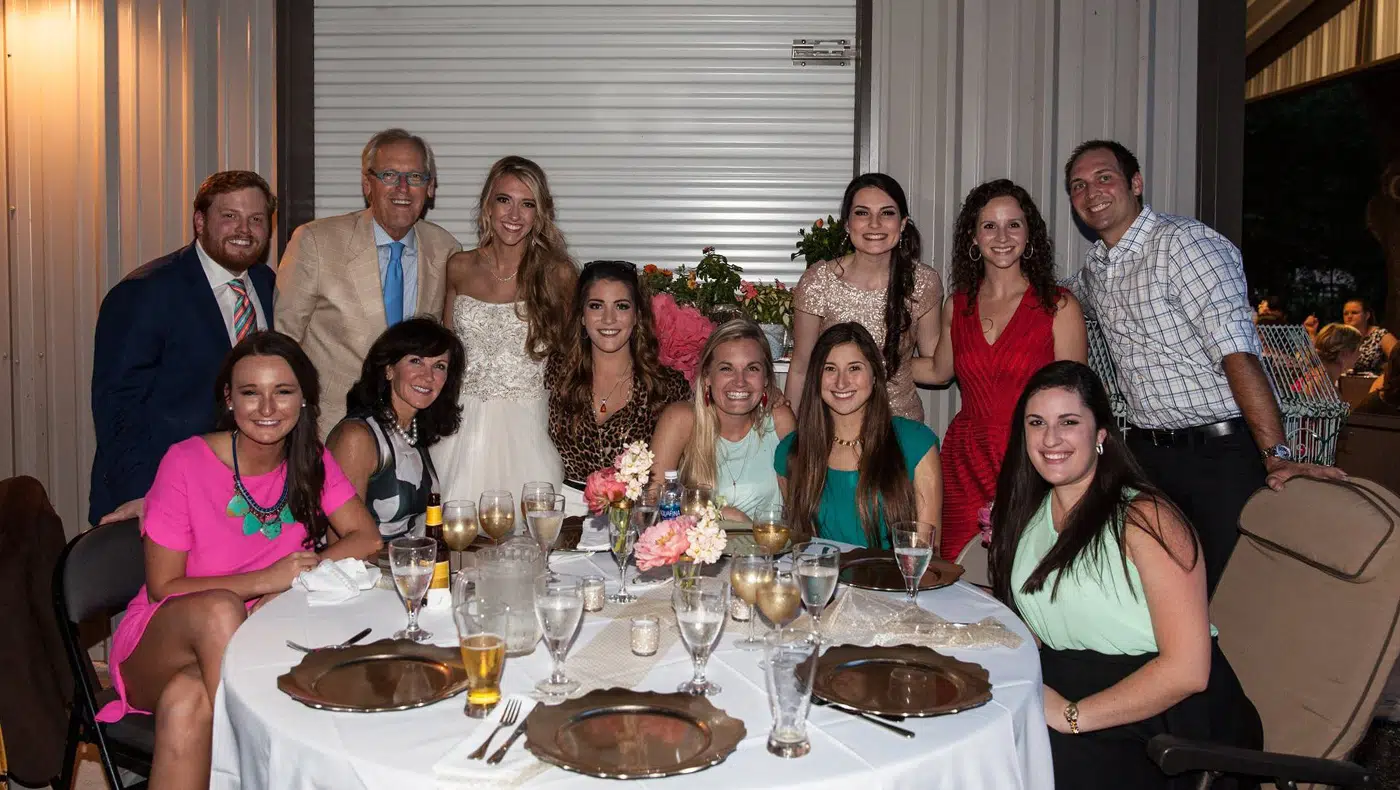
(1072, 716)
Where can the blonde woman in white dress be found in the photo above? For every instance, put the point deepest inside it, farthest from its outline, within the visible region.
(508, 301)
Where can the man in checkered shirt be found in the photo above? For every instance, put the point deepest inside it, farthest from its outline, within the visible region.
(1169, 295)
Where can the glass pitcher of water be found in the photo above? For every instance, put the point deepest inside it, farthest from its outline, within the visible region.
(506, 574)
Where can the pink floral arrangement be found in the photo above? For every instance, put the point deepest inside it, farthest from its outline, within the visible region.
(984, 521)
(698, 540)
(624, 480)
(681, 332)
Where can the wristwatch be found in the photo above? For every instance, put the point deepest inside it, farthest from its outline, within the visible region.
(1279, 451)
(1072, 716)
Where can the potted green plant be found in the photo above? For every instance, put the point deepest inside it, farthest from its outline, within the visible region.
(825, 241)
(770, 306)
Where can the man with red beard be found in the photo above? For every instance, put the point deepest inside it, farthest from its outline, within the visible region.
(163, 331)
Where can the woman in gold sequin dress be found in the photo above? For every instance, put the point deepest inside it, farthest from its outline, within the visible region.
(880, 285)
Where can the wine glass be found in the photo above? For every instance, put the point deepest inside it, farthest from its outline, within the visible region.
(544, 518)
(770, 528)
(746, 573)
(913, 550)
(816, 566)
(695, 499)
(779, 599)
(701, 609)
(459, 527)
(622, 538)
(559, 608)
(534, 496)
(411, 562)
(496, 513)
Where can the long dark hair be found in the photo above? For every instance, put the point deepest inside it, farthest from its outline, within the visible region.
(1037, 261)
(1105, 508)
(424, 337)
(882, 487)
(576, 358)
(302, 448)
(903, 260)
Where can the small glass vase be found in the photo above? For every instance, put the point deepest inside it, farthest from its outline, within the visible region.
(685, 572)
(620, 513)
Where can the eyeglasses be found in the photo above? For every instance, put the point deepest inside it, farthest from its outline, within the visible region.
(390, 178)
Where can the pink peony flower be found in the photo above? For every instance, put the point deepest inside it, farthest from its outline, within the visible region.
(602, 489)
(984, 522)
(681, 332)
(663, 543)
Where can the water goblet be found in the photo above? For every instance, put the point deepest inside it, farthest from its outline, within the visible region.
(459, 527)
(544, 518)
(746, 573)
(779, 599)
(559, 608)
(816, 566)
(789, 671)
(770, 528)
(695, 498)
(914, 542)
(411, 562)
(496, 513)
(534, 496)
(701, 608)
(481, 636)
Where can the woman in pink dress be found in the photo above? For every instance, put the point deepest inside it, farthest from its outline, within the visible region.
(1005, 320)
(232, 518)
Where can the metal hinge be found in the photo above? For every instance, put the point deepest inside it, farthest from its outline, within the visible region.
(822, 52)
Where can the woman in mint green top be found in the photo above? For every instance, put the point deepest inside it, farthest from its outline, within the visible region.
(852, 468)
(1106, 572)
(726, 436)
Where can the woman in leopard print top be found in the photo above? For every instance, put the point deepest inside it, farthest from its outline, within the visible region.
(608, 389)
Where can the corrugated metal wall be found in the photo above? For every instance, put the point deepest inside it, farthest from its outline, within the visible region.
(973, 90)
(115, 110)
(663, 126)
(1330, 49)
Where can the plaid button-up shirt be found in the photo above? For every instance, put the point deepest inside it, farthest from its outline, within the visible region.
(1170, 299)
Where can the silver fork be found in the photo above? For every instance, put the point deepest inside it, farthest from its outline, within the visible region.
(352, 640)
(508, 718)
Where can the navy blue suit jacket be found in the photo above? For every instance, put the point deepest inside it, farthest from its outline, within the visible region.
(159, 344)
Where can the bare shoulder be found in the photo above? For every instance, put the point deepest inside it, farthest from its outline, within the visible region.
(784, 421)
(677, 416)
(1068, 304)
(460, 267)
(1154, 527)
(351, 435)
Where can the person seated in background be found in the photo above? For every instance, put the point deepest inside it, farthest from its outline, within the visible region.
(232, 518)
(852, 468)
(1338, 346)
(725, 437)
(1107, 573)
(1377, 342)
(404, 401)
(607, 387)
(1387, 399)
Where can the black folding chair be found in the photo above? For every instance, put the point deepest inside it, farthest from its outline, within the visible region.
(99, 572)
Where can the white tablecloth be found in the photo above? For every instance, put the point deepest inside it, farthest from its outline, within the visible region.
(265, 739)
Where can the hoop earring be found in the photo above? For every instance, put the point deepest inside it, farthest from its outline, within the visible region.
(975, 253)
(1098, 448)
(1026, 255)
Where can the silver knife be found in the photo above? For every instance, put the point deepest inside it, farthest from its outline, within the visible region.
(500, 754)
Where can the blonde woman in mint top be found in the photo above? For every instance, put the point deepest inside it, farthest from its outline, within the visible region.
(1106, 572)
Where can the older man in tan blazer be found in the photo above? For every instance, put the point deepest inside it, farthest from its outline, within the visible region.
(344, 280)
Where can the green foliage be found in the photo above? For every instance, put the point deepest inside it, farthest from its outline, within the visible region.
(825, 241)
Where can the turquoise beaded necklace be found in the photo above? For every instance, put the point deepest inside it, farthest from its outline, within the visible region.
(256, 518)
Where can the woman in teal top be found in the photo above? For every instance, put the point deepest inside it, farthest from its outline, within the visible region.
(1107, 573)
(851, 468)
(726, 436)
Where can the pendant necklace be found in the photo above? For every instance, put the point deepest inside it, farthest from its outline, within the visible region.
(256, 518)
(603, 407)
(491, 267)
(729, 461)
(854, 444)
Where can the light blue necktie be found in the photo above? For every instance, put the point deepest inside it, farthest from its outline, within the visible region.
(393, 284)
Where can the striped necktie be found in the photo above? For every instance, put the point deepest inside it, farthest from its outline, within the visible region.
(245, 321)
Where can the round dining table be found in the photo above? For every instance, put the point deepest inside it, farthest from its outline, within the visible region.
(264, 739)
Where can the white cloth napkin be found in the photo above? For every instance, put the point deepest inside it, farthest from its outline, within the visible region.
(595, 534)
(454, 769)
(337, 581)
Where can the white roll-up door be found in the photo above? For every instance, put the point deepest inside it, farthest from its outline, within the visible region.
(664, 126)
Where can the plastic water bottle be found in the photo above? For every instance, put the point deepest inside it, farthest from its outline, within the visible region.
(669, 504)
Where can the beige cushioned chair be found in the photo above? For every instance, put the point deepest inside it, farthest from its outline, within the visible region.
(973, 558)
(1307, 609)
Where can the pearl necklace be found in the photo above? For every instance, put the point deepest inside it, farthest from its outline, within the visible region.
(411, 436)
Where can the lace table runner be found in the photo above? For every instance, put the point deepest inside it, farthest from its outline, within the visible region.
(860, 617)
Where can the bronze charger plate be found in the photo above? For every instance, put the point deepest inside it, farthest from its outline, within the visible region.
(876, 569)
(618, 733)
(390, 674)
(904, 680)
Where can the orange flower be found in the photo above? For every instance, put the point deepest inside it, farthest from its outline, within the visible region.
(817, 224)
(691, 281)
(650, 268)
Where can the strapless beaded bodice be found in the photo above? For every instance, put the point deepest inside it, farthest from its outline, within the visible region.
(497, 366)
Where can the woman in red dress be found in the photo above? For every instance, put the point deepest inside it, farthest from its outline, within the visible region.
(1004, 320)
